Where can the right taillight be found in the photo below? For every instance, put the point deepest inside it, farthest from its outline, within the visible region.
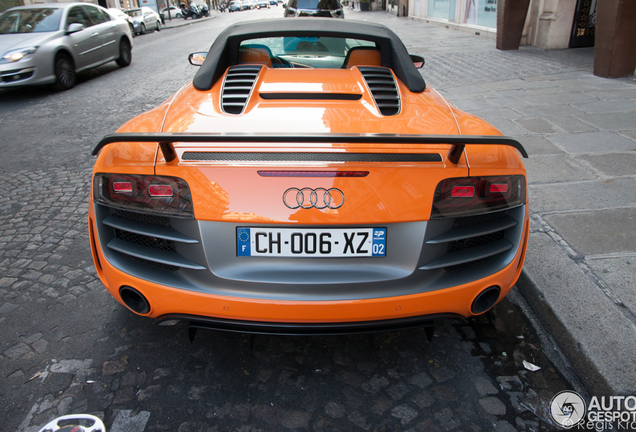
(474, 195)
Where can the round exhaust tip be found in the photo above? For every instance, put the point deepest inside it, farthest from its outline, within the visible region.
(134, 300)
(486, 300)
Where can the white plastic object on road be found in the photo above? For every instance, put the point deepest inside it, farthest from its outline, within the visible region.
(531, 367)
(76, 421)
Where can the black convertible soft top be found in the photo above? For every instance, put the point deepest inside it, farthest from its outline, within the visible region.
(224, 50)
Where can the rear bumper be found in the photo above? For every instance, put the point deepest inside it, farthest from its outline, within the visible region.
(244, 310)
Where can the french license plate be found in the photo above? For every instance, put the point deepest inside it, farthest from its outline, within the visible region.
(311, 243)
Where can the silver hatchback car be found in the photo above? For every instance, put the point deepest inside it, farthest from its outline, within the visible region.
(51, 43)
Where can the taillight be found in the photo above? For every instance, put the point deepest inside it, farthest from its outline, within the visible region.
(474, 195)
(167, 196)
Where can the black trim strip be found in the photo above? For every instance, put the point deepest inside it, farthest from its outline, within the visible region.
(154, 255)
(311, 96)
(166, 140)
(162, 232)
(476, 230)
(469, 255)
(315, 329)
(310, 157)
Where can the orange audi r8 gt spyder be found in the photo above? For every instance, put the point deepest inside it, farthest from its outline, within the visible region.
(308, 181)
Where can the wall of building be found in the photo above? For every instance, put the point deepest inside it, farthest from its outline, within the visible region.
(548, 23)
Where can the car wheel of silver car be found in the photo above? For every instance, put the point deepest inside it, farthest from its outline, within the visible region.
(65, 76)
(142, 28)
(178, 15)
(125, 53)
(158, 25)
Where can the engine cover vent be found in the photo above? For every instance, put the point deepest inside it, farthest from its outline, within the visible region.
(383, 88)
(237, 87)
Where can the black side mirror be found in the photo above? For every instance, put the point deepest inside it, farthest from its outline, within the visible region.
(197, 58)
(418, 61)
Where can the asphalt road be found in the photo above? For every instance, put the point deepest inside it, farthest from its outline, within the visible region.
(67, 347)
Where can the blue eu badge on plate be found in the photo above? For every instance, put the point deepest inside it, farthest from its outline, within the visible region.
(243, 241)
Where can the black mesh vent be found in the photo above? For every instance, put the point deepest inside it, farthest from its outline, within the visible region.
(383, 88)
(473, 220)
(237, 88)
(147, 241)
(311, 157)
(474, 241)
(141, 217)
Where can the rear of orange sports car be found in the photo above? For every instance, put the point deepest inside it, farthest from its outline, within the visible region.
(277, 195)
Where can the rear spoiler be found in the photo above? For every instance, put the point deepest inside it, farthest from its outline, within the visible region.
(166, 140)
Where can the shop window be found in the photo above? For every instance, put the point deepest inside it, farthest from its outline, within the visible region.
(443, 9)
(480, 12)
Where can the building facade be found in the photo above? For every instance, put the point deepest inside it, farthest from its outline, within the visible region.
(550, 24)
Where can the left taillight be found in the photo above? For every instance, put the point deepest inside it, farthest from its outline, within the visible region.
(474, 195)
(166, 196)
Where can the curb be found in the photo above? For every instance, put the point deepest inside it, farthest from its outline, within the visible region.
(595, 335)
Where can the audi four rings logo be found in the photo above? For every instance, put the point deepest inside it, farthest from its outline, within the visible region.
(319, 198)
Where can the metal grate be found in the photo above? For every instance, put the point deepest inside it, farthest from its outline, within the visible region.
(141, 217)
(147, 241)
(473, 220)
(383, 88)
(237, 87)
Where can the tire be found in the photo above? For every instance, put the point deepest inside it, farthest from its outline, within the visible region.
(178, 15)
(142, 28)
(65, 76)
(125, 53)
(158, 25)
(132, 30)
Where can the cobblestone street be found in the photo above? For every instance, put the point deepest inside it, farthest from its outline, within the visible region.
(66, 346)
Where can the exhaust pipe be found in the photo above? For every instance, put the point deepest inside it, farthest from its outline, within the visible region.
(485, 300)
(134, 300)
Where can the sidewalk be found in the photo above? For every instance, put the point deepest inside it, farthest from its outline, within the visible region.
(180, 22)
(580, 132)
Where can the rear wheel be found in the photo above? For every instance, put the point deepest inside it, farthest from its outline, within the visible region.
(65, 76)
(158, 25)
(142, 28)
(125, 53)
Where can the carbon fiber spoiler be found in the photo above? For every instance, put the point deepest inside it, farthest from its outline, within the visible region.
(166, 140)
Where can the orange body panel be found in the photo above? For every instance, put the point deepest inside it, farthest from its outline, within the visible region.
(391, 193)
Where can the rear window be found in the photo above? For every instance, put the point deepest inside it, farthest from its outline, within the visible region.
(36, 20)
(317, 52)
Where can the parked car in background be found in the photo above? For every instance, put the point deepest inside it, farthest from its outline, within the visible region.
(145, 19)
(273, 2)
(120, 14)
(235, 6)
(51, 43)
(248, 4)
(308, 181)
(262, 4)
(175, 12)
(314, 8)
